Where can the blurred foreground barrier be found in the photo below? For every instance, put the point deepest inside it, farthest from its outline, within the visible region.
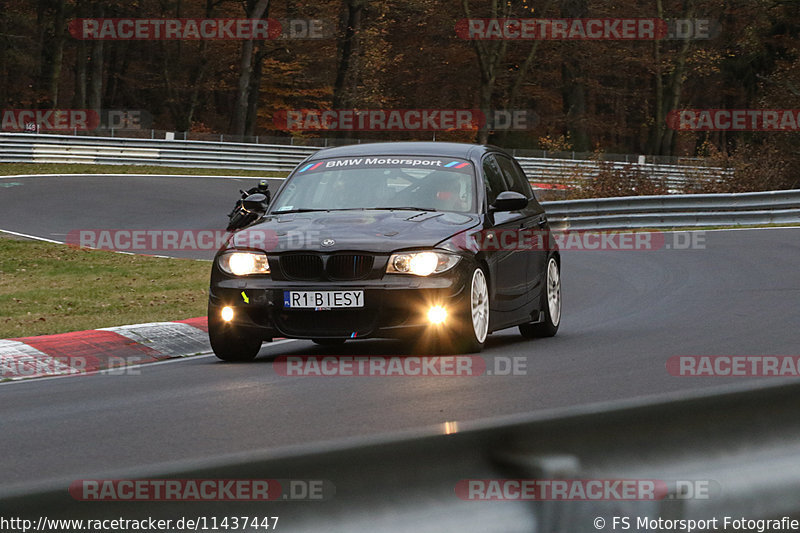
(730, 452)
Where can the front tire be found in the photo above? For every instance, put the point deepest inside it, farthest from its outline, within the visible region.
(550, 303)
(229, 344)
(470, 336)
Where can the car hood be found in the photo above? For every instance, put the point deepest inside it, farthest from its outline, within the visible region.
(374, 231)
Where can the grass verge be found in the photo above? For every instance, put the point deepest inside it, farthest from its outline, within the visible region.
(11, 169)
(50, 288)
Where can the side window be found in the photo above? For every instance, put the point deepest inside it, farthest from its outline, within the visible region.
(515, 178)
(493, 179)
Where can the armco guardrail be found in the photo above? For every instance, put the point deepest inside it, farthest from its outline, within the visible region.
(572, 173)
(28, 148)
(38, 148)
(675, 211)
(635, 212)
(731, 452)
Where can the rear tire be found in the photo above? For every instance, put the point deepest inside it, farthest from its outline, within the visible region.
(550, 304)
(229, 344)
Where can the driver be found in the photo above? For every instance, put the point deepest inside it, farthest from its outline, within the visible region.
(448, 195)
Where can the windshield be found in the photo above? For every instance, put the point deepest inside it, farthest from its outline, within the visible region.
(428, 184)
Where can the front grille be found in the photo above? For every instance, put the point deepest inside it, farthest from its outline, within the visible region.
(305, 267)
(349, 266)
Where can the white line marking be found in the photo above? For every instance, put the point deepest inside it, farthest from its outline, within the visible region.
(33, 237)
(203, 356)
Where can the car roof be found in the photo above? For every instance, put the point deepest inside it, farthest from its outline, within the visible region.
(426, 148)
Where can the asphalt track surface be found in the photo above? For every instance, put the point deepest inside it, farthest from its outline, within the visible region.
(625, 314)
(52, 207)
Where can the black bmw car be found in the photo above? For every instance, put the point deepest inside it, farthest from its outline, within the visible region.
(437, 243)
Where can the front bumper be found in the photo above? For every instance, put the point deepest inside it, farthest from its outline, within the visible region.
(395, 306)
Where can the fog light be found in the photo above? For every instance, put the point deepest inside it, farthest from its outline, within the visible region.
(227, 314)
(437, 314)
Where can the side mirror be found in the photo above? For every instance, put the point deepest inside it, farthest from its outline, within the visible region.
(256, 204)
(509, 201)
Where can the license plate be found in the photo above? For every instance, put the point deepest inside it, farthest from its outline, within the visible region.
(323, 299)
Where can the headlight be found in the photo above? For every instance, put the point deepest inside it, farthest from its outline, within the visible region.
(244, 263)
(421, 263)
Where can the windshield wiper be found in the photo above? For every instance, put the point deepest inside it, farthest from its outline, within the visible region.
(431, 209)
(315, 210)
(303, 210)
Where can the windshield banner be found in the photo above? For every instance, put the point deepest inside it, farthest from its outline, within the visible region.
(387, 161)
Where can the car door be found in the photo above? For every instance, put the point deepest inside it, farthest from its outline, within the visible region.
(507, 262)
(532, 226)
